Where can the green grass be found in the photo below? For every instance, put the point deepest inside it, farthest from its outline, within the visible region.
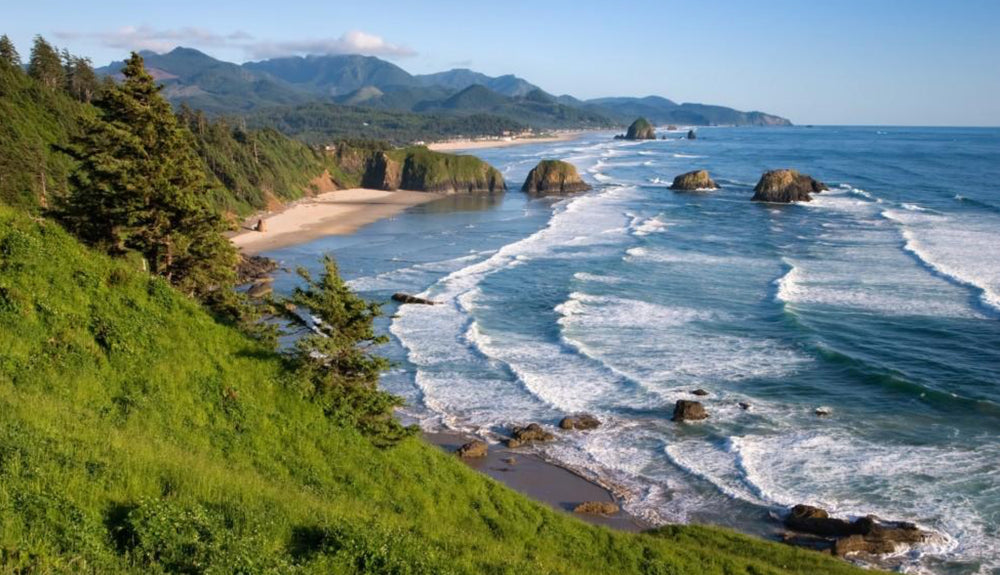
(139, 435)
(425, 169)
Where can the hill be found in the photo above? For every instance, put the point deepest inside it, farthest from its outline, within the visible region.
(461, 78)
(333, 75)
(536, 109)
(139, 435)
(663, 111)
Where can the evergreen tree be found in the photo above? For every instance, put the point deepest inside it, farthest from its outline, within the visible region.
(44, 64)
(8, 53)
(139, 186)
(81, 80)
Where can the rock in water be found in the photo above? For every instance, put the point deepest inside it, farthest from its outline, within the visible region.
(420, 169)
(596, 508)
(582, 421)
(786, 186)
(407, 298)
(685, 410)
(691, 181)
(692, 135)
(527, 434)
(640, 129)
(865, 534)
(554, 177)
(473, 449)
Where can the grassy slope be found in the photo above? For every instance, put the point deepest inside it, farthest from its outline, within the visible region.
(136, 434)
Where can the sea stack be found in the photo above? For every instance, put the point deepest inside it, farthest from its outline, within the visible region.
(554, 177)
(692, 135)
(786, 186)
(694, 181)
(640, 129)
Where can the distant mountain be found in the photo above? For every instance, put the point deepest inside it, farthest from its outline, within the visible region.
(334, 75)
(462, 78)
(663, 111)
(202, 82)
(218, 87)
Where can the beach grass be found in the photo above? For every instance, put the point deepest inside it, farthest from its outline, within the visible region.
(139, 434)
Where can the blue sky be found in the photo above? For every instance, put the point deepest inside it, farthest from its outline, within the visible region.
(835, 62)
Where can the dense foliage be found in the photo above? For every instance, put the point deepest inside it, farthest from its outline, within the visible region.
(321, 123)
(139, 187)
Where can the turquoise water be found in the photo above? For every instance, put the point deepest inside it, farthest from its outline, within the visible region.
(879, 301)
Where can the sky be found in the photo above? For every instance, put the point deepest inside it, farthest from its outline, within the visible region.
(873, 62)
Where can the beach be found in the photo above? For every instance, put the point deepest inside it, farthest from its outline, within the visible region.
(467, 144)
(330, 213)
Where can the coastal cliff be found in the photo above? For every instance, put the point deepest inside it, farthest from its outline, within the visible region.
(423, 170)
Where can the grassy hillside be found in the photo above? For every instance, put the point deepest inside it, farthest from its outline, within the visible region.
(139, 435)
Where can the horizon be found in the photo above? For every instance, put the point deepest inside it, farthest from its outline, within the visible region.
(880, 66)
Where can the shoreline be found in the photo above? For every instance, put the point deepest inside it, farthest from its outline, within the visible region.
(540, 480)
(474, 144)
(338, 212)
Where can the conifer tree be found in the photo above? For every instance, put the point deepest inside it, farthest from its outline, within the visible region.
(8, 53)
(139, 187)
(81, 80)
(45, 65)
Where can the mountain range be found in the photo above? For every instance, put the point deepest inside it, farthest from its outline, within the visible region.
(224, 88)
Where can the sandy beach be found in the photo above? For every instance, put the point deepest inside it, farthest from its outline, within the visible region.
(331, 213)
(453, 145)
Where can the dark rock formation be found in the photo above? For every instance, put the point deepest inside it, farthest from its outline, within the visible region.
(822, 411)
(692, 181)
(640, 129)
(786, 186)
(582, 421)
(596, 508)
(864, 535)
(251, 268)
(473, 449)
(692, 135)
(744, 406)
(700, 392)
(527, 434)
(554, 177)
(382, 173)
(685, 410)
(406, 298)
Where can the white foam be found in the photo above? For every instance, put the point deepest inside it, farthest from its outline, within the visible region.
(964, 249)
(688, 156)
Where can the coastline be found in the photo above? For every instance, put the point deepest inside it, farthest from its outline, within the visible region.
(473, 144)
(541, 480)
(330, 213)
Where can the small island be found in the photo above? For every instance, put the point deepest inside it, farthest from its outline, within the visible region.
(420, 169)
(786, 186)
(554, 177)
(640, 129)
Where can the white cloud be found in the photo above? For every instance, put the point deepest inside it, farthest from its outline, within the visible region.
(164, 40)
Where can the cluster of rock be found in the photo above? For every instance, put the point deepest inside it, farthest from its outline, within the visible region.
(252, 268)
(405, 298)
(554, 177)
(841, 537)
(596, 508)
(640, 129)
(697, 180)
(528, 434)
(786, 186)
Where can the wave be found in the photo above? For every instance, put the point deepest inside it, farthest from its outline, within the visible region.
(962, 251)
(688, 156)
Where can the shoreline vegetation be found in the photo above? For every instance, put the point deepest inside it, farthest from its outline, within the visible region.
(149, 420)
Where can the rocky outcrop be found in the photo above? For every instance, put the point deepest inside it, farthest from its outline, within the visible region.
(640, 129)
(596, 508)
(692, 135)
(554, 177)
(424, 170)
(786, 186)
(685, 410)
(863, 535)
(406, 298)
(583, 421)
(473, 449)
(528, 434)
(251, 268)
(693, 181)
(699, 392)
(382, 172)
(262, 288)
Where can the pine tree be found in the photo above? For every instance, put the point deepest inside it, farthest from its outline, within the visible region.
(8, 53)
(139, 187)
(81, 80)
(44, 64)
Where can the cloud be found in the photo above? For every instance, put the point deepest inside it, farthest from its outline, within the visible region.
(353, 42)
(164, 40)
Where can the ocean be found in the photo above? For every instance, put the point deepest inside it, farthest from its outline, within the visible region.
(879, 301)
